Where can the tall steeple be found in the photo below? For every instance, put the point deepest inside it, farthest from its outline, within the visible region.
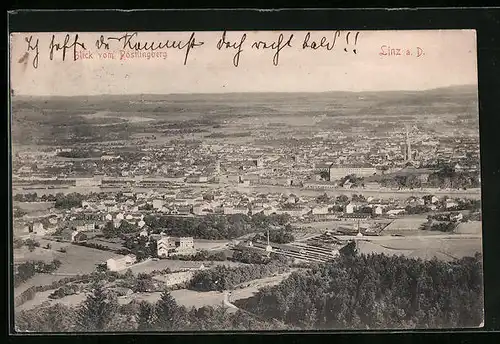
(268, 247)
(408, 152)
(217, 166)
(359, 230)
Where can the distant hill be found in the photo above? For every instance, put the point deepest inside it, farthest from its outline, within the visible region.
(454, 89)
(450, 90)
(64, 120)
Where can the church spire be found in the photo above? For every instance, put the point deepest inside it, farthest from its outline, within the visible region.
(408, 144)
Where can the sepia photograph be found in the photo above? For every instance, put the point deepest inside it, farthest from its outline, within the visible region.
(245, 181)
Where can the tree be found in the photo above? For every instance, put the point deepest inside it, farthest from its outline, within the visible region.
(24, 272)
(31, 244)
(412, 182)
(323, 198)
(146, 207)
(55, 264)
(141, 247)
(280, 236)
(80, 236)
(69, 201)
(17, 243)
(418, 209)
(324, 175)
(208, 197)
(166, 312)
(146, 316)
(152, 248)
(358, 198)
(248, 257)
(126, 227)
(109, 230)
(223, 278)
(372, 291)
(144, 283)
(128, 275)
(349, 250)
(376, 291)
(342, 199)
(97, 311)
(19, 213)
(56, 318)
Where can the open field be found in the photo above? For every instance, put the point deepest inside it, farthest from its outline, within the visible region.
(250, 288)
(42, 298)
(310, 230)
(184, 297)
(306, 234)
(108, 243)
(22, 254)
(203, 111)
(31, 207)
(211, 245)
(405, 225)
(191, 298)
(38, 279)
(231, 127)
(33, 211)
(82, 260)
(368, 247)
(472, 227)
(116, 116)
(321, 226)
(174, 265)
(188, 298)
(77, 260)
(423, 247)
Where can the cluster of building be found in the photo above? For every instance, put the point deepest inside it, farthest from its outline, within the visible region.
(218, 161)
(170, 246)
(131, 207)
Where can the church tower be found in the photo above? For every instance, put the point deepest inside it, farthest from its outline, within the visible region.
(268, 247)
(408, 153)
(217, 166)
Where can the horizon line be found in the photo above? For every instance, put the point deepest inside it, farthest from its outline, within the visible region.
(242, 92)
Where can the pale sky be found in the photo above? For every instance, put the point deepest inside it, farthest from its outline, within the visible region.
(450, 59)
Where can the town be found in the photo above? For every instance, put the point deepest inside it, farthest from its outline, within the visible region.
(176, 203)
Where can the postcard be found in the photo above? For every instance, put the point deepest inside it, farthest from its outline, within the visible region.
(245, 181)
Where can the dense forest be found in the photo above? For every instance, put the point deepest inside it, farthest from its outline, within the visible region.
(377, 291)
(203, 255)
(223, 278)
(353, 291)
(80, 154)
(27, 270)
(249, 257)
(69, 201)
(446, 227)
(446, 177)
(102, 312)
(279, 236)
(214, 227)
